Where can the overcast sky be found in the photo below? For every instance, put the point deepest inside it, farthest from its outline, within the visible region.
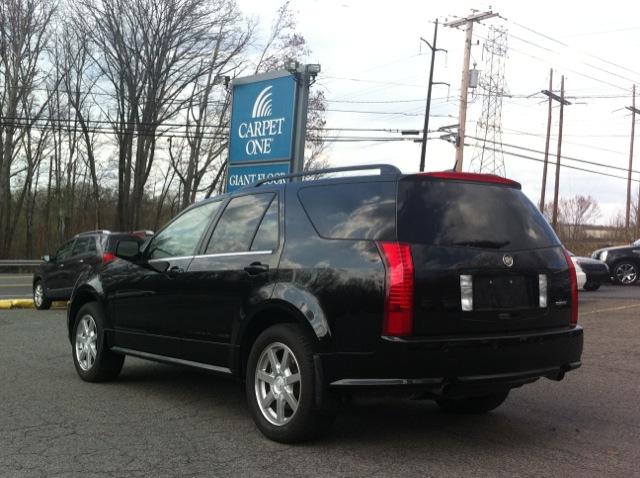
(378, 44)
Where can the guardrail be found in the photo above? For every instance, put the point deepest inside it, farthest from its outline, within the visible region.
(26, 266)
(20, 262)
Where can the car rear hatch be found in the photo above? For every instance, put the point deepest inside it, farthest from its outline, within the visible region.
(484, 258)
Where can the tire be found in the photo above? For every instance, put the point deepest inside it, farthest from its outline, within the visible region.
(277, 419)
(40, 300)
(625, 273)
(591, 286)
(88, 338)
(473, 405)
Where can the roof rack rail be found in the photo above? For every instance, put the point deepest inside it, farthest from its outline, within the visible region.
(384, 169)
(97, 231)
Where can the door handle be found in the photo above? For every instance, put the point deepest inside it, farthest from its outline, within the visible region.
(60, 266)
(256, 268)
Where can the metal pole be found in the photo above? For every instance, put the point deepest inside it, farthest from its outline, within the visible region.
(428, 107)
(554, 221)
(302, 107)
(633, 134)
(464, 90)
(546, 147)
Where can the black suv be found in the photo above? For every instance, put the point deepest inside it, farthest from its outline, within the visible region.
(54, 279)
(623, 262)
(445, 286)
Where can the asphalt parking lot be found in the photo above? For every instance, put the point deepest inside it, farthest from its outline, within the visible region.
(159, 420)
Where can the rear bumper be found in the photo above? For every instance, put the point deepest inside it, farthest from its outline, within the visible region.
(436, 364)
(598, 276)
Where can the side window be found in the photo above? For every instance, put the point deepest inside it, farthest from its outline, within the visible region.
(64, 252)
(83, 245)
(267, 236)
(365, 210)
(91, 245)
(180, 237)
(237, 225)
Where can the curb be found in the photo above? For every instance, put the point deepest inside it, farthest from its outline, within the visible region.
(6, 304)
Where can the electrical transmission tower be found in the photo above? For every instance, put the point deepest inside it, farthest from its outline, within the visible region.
(487, 155)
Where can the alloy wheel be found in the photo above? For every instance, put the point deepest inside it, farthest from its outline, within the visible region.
(626, 273)
(38, 295)
(86, 342)
(277, 383)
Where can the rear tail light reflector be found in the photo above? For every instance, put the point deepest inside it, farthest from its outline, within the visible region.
(108, 257)
(542, 288)
(466, 293)
(399, 286)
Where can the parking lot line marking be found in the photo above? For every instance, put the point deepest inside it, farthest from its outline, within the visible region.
(14, 285)
(611, 309)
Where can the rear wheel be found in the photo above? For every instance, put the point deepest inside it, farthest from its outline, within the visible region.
(591, 286)
(473, 405)
(280, 384)
(625, 273)
(40, 300)
(94, 362)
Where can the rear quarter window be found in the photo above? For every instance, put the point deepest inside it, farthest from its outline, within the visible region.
(360, 211)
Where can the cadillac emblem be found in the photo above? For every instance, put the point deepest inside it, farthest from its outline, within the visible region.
(508, 260)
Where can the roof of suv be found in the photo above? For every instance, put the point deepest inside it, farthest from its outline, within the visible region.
(388, 169)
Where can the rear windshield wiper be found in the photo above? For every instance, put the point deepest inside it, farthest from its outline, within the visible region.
(481, 243)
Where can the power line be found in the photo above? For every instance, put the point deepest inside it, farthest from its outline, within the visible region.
(569, 158)
(523, 156)
(555, 40)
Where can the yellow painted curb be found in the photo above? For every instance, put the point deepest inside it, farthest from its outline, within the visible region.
(16, 304)
(6, 304)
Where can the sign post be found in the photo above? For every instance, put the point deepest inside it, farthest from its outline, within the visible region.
(268, 125)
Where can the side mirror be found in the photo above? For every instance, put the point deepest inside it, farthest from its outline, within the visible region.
(128, 249)
(47, 258)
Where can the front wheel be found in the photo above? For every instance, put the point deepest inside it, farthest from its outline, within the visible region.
(473, 405)
(40, 300)
(280, 384)
(625, 273)
(94, 362)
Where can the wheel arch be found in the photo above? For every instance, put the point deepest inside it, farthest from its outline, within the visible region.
(80, 297)
(273, 312)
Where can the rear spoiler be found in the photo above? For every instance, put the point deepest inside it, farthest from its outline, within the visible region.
(473, 177)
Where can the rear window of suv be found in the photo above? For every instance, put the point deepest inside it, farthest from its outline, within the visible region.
(363, 210)
(454, 213)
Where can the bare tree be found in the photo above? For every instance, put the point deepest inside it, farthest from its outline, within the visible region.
(150, 53)
(573, 214)
(24, 35)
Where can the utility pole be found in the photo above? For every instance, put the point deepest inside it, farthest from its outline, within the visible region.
(546, 146)
(554, 219)
(633, 110)
(427, 112)
(462, 115)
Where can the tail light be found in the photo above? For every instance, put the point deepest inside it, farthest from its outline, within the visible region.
(573, 284)
(108, 257)
(398, 303)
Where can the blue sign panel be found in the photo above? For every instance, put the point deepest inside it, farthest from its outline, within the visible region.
(245, 174)
(262, 120)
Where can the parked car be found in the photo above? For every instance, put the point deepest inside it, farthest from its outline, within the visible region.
(54, 279)
(447, 286)
(596, 272)
(623, 262)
